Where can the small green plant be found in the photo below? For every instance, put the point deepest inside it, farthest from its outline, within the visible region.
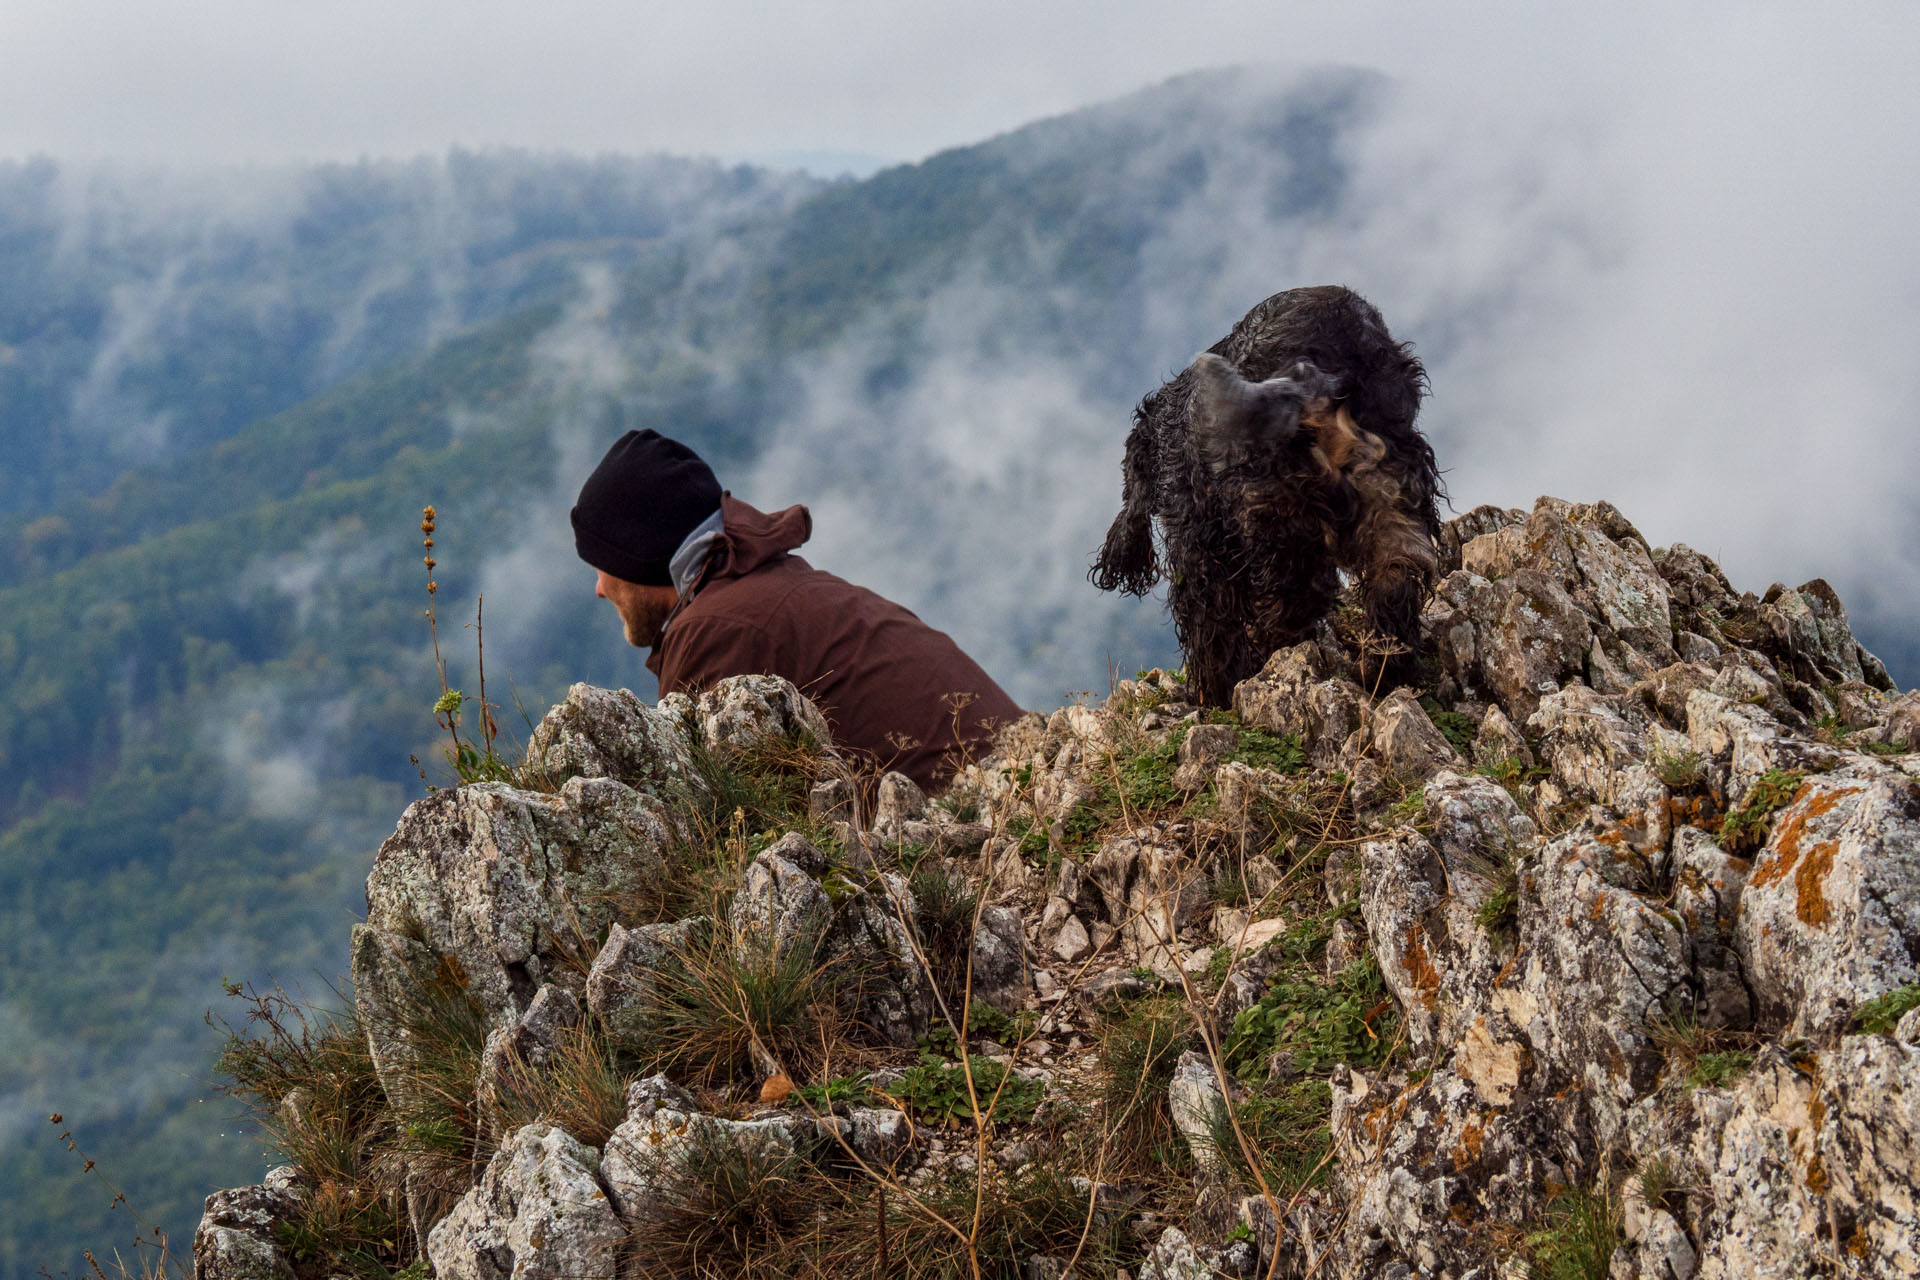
(962, 808)
(1259, 749)
(1746, 828)
(579, 1086)
(1218, 965)
(723, 1204)
(1877, 1017)
(1037, 1211)
(1577, 1243)
(1229, 888)
(1499, 912)
(1678, 768)
(1512, 773)
(851, 1090)
(945, 903)
(469, 761)
(1717, 1070)
(720, 1004)
(1032, 836)
(1408, 811)
(1146, 778)
(1456, 727)
(1311, 1026)
(1834, 730)
(308, 1076)
(1702, 1057)
(982, 1020)
(1660, 1185)
(935, 1092)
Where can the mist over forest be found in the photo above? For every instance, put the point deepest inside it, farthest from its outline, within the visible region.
(225, 396)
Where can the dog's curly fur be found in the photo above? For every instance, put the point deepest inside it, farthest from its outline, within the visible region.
(1283, 454)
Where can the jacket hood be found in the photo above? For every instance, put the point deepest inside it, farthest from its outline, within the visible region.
(752, 537)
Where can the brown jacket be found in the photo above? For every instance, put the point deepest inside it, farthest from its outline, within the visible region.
(893, 689)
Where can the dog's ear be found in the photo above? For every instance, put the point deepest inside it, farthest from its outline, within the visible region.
(1233, 421)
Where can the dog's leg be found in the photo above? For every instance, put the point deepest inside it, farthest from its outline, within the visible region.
(1209, 620)
(1126, 559)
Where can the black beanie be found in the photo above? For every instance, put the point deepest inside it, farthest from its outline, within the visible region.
(640, 504)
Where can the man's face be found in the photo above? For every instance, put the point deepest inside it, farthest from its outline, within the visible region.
(643, 609)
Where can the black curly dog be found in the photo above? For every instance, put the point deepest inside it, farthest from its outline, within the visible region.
(1282, 455)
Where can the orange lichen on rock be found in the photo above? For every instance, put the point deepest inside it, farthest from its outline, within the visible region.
(1420, 968)
(1808, 861)
(1473, 1140)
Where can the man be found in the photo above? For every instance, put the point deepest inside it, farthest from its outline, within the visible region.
(711, 586)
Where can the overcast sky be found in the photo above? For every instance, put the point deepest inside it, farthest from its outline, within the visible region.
(267, 80)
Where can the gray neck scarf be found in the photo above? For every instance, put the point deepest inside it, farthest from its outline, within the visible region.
(691, 557)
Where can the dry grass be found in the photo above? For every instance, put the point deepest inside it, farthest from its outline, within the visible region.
(579, 1085)
(309, 1078)
(729, 1007)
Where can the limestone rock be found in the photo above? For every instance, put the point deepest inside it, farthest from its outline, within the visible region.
(1200, 751)
(532, 1040)
(1830, 916)
(1602, 966)
(1464, 528)
(649, 1154)
(747, 711)
(235, 1239)
(1000, 968)
(1296, 694)
(881, 1136)
(509, 884)
(1707, 886)
(779, 907)
(1196, 1104)
(609, 733)
(1405, 741)
(1511, 641)
(1173, 1257)
(1903, 722)
(1805, 1144)
(540, 1212)
(899, 799)
(1498, 741)
(621, 980)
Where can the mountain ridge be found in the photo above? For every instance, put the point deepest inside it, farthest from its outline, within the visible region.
(1594, 955)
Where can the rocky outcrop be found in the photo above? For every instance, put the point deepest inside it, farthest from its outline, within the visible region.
(1574, 948)
(237, 1237)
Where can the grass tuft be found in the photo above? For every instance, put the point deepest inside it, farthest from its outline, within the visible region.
(1138, 1051)
(720, 1004)
(1578, 1240)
